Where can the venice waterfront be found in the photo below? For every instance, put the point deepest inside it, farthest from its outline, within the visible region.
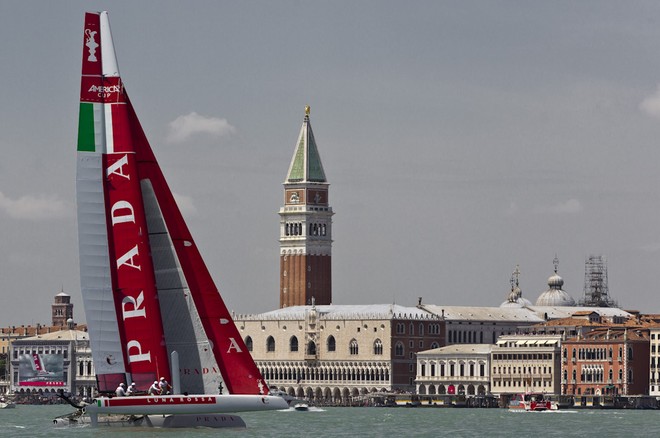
(36, 421)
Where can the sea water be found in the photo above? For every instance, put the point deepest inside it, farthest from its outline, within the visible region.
(36, 421)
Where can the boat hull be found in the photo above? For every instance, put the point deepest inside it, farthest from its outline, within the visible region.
(157, 421)
(184, 404)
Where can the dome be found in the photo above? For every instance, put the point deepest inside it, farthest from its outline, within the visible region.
(515, 298)
(555, 296)
(555, 281)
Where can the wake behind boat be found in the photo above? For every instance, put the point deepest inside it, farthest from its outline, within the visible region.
(153, 311)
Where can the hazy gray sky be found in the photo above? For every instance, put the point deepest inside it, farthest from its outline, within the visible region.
(459, 139)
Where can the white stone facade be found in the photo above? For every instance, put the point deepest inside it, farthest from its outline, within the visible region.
(72, 346)
(526, 363)
(339, 353)
(455, 369)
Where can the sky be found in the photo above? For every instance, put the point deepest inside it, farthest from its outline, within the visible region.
(460, 139)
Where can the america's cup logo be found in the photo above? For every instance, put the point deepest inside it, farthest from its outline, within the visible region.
(91, 44)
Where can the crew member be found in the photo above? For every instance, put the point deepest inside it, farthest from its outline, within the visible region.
(131, 389)
(121, 390)
(154, 389)
(164, 386)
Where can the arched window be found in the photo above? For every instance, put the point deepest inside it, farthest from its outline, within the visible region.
(311, 348)
(270, 344)
(293, 344)
(421, 329)
(378, 347)
(398, 349)
(248, 343)
(331, 343)
(434, 345)
(353, 347)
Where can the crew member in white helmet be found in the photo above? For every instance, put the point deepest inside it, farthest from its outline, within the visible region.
(121, 390)
(154, 389)
(164, 386)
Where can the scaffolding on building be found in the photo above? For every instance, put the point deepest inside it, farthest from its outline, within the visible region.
(596, 291)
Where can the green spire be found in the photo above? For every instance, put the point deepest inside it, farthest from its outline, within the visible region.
(306, 163)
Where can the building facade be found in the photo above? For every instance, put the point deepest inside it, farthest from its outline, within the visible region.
(305, 227)
(526, 363)
(336, 353)
(454, 369)
(44, 364)
(607, 361)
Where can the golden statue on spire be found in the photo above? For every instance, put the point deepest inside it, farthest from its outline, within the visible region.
(307, 108)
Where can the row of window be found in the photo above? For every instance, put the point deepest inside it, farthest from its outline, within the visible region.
(452, 368)
(522, 356)
(41, 350)
(522, 370)
(518, 383)
(434, 329)
(331, 345)
(596, 375)
(596, 353)
(296, 229)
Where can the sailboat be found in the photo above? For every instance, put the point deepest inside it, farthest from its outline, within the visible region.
(152, 308)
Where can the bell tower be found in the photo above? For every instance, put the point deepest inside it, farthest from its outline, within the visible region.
(305, 227)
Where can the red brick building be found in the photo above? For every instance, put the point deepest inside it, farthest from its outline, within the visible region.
(612, 360)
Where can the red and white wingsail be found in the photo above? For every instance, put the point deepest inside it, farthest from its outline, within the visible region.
(146, 289)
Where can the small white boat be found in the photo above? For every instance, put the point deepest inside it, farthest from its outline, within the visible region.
(301, 407)
(532, 402)
(6, 404)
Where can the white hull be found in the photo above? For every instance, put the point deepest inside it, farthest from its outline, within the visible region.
(159, 421)
(184, 404)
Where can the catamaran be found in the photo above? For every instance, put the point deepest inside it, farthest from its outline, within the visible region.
(152, 308)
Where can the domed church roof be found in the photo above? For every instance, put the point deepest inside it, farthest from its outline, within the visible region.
(555, 296)
(515, 298)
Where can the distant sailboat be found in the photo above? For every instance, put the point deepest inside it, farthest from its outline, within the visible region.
(152, 307)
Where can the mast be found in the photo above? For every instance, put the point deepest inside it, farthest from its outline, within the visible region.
(117, 277)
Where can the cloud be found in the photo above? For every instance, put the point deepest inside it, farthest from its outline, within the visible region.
(572, 206)
(186, 205)
(651, 105)
(184, 127)
(34, 208)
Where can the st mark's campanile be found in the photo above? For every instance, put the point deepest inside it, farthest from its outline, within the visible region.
(305, 227)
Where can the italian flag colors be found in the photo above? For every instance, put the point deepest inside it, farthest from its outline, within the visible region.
(90, 127)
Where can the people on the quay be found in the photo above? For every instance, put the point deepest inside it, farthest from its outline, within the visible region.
(154, 389)
(131, 389)
(121, 390)
(164, 386)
